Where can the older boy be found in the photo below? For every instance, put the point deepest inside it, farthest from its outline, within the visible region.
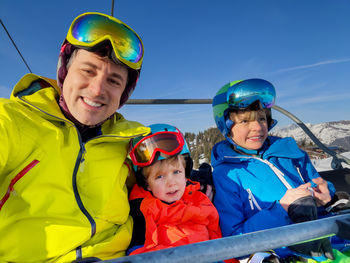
(263, 181)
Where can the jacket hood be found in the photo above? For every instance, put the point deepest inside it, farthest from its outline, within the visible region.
(278, 147)
(23, 85)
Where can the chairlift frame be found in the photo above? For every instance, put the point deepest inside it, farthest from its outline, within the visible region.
(337, 159)
(242, 245)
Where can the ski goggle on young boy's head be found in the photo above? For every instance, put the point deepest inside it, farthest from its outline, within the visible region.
(90, 29)
(243, 94)
(143, 151)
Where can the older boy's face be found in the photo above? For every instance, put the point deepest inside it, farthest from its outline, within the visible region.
(93, 87)
(167, 182)
(249, 133)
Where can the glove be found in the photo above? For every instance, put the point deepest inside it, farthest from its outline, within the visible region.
(204, 176)
(302, 210)
(339, 202)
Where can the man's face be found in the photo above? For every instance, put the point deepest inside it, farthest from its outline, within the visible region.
(93, 87)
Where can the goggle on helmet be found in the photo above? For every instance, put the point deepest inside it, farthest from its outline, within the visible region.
(92, 31)
(240, 95)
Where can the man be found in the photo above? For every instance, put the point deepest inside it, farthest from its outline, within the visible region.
(63, 149)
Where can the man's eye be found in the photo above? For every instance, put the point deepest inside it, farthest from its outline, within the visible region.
(115, 82)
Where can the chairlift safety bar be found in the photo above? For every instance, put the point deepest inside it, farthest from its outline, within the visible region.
(241, 245)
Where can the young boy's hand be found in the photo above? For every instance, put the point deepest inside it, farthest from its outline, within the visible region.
(321, 191)
(294, 194)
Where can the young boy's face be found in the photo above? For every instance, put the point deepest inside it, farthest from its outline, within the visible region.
(250, 129)
(167, 181)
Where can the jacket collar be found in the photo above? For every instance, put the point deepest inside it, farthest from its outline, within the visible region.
(278, 147)
(40, 93)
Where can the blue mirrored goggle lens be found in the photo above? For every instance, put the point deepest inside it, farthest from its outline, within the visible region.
(92, 27)
(243, 94)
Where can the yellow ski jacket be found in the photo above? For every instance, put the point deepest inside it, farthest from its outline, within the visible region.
(60, 199)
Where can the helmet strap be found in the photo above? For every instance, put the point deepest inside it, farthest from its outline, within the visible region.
(189, 165)
(229, 123)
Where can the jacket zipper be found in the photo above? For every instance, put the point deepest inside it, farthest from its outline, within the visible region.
(278, 172)
(76, 167)
(80, 160)
(298, 170)
(252, 200)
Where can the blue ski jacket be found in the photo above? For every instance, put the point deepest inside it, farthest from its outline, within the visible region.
(249, 187)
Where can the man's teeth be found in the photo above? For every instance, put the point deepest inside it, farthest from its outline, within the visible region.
(91, 103)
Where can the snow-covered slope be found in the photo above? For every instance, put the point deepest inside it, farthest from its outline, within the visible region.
(325, 164)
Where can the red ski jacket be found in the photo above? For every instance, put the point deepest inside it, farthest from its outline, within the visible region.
(191, 219)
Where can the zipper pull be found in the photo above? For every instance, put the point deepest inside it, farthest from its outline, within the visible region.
(250, 199)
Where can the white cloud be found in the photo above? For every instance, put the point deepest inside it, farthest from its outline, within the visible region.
(321, 98)
(326, 62)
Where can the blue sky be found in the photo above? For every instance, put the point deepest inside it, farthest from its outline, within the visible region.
(192, 48)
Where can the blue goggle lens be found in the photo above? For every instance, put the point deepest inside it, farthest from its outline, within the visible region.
(245, 93)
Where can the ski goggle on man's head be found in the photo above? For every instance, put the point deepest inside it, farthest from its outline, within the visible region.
(143, 151)
(91, 29)
(241, 95)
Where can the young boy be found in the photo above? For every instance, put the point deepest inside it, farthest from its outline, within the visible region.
(263, 181)
(168, 209)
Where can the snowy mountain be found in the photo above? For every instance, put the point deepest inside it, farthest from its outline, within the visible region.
(329, 133)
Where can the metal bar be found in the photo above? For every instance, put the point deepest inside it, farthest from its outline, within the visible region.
(169, 101)
(241, 245)
(337, 158)
(14, 44)
(112, 8)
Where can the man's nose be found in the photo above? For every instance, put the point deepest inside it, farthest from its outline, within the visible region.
(96, 86)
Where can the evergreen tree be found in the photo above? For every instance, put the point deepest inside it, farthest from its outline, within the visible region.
(201, 144)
